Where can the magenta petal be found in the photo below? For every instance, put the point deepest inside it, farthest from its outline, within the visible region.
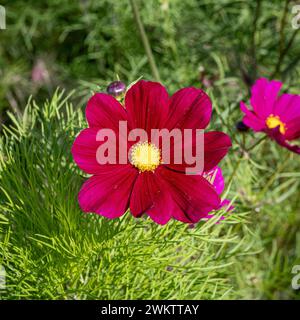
(108, 193)
(226, 204)
(194, 196)
(149, 196)
(251, 119)
(216, 145)
(145, 190)
(84, 151)
(280, 139)
(264, 95)
(104, 111)
(215, 177)
(163, 207)
(190, 108)
(287, 107)
(293, 128)
(147, 105)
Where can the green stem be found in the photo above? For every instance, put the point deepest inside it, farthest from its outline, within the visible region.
(258, 142)
(253, 47)
(145, 40)
(283, 51)
(274, 175)
(234, 172)
(243, 151)
(282, 24)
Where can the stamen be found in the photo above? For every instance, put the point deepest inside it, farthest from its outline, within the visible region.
(145, 156)
(274, 121)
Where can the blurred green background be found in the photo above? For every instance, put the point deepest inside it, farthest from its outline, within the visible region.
(81, 46)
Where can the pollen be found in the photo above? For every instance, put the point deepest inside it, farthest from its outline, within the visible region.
(274, 121)
(145, 156)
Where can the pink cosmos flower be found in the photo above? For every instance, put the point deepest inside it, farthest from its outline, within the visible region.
(279, 117)
(215, 177)
(162, 191)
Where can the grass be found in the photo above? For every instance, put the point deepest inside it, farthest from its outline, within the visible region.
(49, 248)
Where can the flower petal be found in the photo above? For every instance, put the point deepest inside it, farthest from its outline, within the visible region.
(287, 107)
(147, 105)
(293, 129)
(264, 95)
(85, 147)
(164, 207)
(189, 108)
(226, 203)
(104, 111)
(108, 193)
(84, 150)
(149, 196)
(280, 139)
(145, 189)
(251, 119)
(215, 177)
(192, 194)
(216, 145)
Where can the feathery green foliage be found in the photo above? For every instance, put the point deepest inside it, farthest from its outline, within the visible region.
(49, 248)
(52, 250)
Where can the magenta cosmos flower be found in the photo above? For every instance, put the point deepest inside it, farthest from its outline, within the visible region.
(279, 117)
(162, 191)
(215, 177)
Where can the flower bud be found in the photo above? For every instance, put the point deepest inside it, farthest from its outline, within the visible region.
(116, 89)
(240, 126)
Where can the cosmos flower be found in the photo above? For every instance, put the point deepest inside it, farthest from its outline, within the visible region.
(215, 177)
(146, 185)
(277, 116)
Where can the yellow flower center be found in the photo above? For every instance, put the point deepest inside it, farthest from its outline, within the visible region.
(145, 156)
(274, 121)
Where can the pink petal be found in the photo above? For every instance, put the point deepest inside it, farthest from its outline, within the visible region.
(147, 105)
(264, 95)
(190, 108)
(149, 196)
(251, 119)
(194, 196)
(293, 128)
(145, 190)
(163, 208)
(104, 111)
(226, 203)
(84, 151)
(108, 193)
(280, 139)
(215, 177)
(216, 145)
(287, 107)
